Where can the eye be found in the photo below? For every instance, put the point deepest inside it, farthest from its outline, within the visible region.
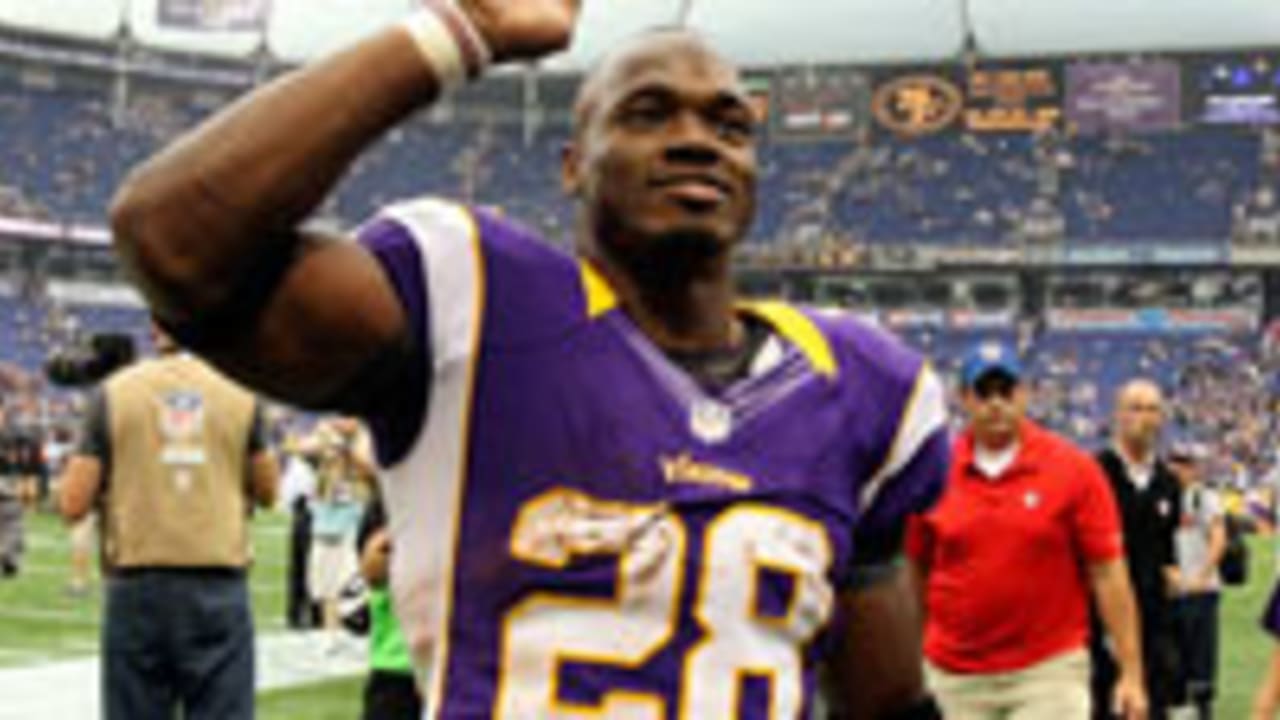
(736, 128)
(733, 124)
(645, 113)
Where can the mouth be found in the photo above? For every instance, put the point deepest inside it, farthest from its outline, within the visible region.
(697, 192)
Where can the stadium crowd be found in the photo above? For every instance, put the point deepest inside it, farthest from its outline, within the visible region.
(69, 148)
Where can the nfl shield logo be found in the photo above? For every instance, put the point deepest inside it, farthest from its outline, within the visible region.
(182, 415)
(710, 421)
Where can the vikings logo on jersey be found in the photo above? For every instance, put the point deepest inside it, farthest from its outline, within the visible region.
(583, 531)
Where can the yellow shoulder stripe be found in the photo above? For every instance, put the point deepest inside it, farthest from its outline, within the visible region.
(798, 329)
(793, 325)
(599, 296)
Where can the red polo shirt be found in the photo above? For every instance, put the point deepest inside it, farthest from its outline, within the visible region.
(1007, 557)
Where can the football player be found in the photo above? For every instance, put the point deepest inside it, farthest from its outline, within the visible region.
(616, 489)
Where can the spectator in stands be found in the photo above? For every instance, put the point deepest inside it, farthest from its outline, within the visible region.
(1020, 498)
(344, 475)
(1149, 498)
(172, 454)
(390, 692)
(1200, 541)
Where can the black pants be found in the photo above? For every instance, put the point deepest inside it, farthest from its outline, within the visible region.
(391, 696)
(1196, 619)
(12, 533)
(177, 639)
(300, 611)
(1158, 663)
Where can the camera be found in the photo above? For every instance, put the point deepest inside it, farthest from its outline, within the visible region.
(87, 364)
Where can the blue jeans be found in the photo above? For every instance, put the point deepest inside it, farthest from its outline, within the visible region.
(177, 639)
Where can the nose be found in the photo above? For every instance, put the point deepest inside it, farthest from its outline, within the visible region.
(691, 153)
(692, 142)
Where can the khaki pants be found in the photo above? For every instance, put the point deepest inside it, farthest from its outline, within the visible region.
(1055, 689)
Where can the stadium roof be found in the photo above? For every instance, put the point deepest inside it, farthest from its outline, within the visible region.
(756, 32)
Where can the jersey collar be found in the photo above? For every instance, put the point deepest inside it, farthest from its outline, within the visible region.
(789, 322)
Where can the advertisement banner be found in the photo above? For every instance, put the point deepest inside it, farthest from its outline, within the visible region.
(1150, 252)
(899, 319)
(1144, 96)
(212, 15)
(1017, 98)
(982, 320)
(1239, 89)
(1154, 320)
(1254, 255)
(914, 104)
(820, 103)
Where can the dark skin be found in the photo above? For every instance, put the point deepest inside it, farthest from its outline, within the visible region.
(877, 670)
(663, 162)
(663, 167)
(321, 311)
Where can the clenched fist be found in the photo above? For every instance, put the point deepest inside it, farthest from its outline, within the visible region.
(523, 29)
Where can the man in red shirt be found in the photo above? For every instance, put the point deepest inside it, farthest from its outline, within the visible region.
(1026, 528)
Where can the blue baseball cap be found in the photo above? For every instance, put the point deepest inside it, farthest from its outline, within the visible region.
(990, 356)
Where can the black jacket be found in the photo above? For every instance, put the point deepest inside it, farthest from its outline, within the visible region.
(1150, 519)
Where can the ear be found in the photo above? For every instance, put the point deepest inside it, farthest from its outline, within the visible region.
(570, 176)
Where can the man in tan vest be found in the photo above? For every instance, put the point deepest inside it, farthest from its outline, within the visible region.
(173, 456)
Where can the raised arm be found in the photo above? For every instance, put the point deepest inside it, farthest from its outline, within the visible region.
(211, 227)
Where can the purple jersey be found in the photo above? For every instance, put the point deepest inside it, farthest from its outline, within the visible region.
(581, 530)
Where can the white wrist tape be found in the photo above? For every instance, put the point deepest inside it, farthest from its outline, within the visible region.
(449, 43)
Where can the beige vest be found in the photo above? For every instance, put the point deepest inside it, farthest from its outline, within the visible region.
(178, 490)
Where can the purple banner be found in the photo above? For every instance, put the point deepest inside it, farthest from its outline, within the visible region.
(216, 15)
(1127, 96)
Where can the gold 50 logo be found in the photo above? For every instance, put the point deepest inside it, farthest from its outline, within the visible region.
(917, 104)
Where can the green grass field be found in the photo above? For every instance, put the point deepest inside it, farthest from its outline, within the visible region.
(338, 700)
(40, 622)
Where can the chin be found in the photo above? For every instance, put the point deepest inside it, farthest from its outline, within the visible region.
(714, 232)
(691, 243)
(674, 219)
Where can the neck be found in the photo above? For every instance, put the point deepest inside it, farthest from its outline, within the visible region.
(995, 442)
(1136, 453)
(681, 297)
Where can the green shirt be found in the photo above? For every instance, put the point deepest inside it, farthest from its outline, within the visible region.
(388, 649)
